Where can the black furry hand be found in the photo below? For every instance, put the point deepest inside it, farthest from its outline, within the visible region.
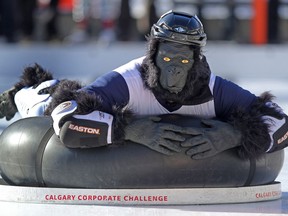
(161, 137)
(213, 138)
(7, 106)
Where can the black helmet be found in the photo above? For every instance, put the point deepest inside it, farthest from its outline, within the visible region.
(180, 28)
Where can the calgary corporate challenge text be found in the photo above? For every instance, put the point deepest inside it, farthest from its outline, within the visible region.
(109, 198)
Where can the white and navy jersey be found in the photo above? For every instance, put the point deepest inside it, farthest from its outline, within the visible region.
(125, 87)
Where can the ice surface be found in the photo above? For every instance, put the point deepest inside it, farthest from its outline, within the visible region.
(258, 69)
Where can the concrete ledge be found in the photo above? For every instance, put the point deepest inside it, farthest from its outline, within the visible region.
(177, 196)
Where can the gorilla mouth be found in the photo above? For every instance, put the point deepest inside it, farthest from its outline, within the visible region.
(174, 89)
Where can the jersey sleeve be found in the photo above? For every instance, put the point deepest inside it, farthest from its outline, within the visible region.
(228, 96)
(111, 88)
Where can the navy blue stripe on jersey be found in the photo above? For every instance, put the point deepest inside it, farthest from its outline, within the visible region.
(112, 89)
(228, 96)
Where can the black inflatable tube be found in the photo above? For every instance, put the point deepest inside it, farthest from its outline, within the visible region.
(32, 155)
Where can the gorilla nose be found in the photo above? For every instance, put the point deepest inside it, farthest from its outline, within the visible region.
(174, 73)
(174, 70)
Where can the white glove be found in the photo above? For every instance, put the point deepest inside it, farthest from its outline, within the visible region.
(30, 102)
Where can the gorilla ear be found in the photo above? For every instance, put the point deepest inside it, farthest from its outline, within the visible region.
(152, 45)
(197, 52)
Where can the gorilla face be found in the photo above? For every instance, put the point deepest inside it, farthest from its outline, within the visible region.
(176, 73)
(174, 61)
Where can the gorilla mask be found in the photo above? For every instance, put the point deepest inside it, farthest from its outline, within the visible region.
(174, 61)
(176, 73)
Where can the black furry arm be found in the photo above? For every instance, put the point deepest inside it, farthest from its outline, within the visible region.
(31, 77)
(256, 126)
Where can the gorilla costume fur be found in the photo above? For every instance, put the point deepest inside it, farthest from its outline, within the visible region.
(252, 124)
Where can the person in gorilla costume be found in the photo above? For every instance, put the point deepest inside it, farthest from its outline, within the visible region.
(127, 103)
